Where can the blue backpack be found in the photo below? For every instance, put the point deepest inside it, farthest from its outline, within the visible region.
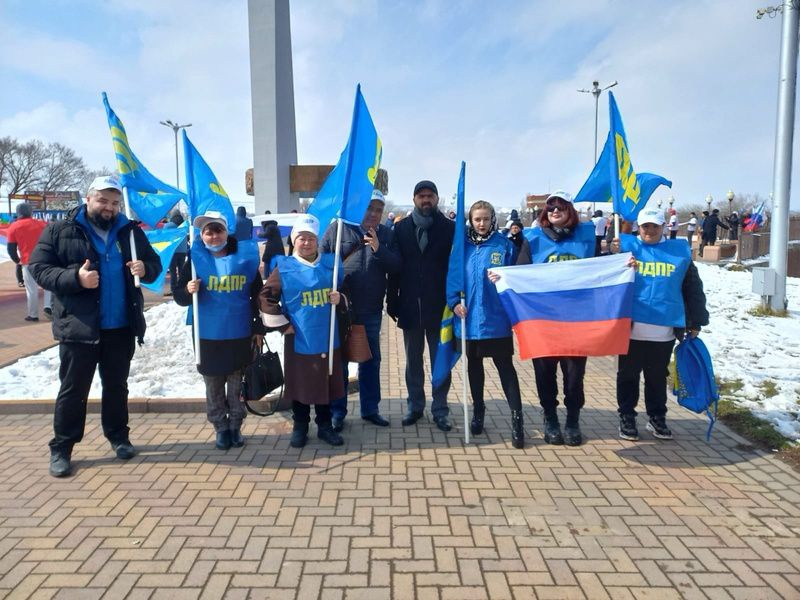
(693, 380)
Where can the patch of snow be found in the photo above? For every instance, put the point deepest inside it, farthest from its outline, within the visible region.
(754, 349)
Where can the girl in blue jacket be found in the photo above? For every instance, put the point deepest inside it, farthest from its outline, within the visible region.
(488, 330)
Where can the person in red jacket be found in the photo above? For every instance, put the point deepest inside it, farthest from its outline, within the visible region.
(22, 237)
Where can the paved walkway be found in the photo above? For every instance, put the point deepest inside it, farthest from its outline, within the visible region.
(399, 512)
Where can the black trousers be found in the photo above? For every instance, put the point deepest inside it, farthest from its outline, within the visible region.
(572, 370)
(652, 358)
(113, 356)
(508, 379)
(301, 413)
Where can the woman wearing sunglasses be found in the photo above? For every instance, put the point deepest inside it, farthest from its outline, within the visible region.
(560, 236)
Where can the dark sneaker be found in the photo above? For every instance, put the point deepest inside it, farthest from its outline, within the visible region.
(124, 450)
(659, 429)
(443, 423)
(328, 435)
(237, 439)
(299, 435)
(552, 431)
(32, 319)
(223, 441)
(572, 435)
(411, 418)
(627, 428)
(48, 313)
(60, 465)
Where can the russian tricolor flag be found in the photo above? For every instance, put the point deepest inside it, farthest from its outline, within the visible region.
(570, 308)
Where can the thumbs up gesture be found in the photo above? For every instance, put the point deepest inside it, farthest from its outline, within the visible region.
(87, 277)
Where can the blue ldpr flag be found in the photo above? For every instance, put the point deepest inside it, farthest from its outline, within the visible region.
(204, 191)
(150, 197)
(347, 191)
(597, 187)
(448, 352)
(165, 242)
(625, 191)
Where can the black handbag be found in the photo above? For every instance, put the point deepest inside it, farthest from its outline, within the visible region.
(261, 377)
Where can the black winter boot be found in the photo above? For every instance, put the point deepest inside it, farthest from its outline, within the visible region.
(552, 430)
(572, 430)
(299, 435)
(328, 435)
(517, 430)
(478, 413)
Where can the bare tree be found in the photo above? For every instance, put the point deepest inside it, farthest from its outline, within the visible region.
(7, 144)
(25, 166)
(62, 169)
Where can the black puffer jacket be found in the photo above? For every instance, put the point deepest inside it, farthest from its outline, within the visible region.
(365, 271)
(62, 249)
(694, 301)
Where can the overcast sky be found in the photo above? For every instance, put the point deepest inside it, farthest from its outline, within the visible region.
(491, 83)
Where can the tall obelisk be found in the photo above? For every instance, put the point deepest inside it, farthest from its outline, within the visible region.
(272, 98)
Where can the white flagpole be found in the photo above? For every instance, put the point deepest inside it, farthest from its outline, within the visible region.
(464, 371)
(129, 214)
(195, 304)
(334, 287)
(616, 226)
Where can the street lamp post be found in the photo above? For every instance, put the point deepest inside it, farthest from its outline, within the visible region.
(709, 200)
(729, 196)
(671, 201)
(596, 91)
(175, 128)
(659, 203)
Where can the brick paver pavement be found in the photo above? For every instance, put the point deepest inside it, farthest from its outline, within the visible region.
(399, 512)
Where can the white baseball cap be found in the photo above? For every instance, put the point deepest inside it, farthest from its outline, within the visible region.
(562, 195)
(651, 215)
(305, 223)
(106, 182)
(211, 216)
(378, 195)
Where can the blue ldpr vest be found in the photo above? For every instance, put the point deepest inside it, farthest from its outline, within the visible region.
(486, 317)
(224, 296)
(304, 297)
(658, 296)
(579, 245)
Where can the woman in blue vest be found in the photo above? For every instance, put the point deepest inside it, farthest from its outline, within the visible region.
(669, 302)
(487, 326)
(560, 236)
(227, 287)
(296, 299)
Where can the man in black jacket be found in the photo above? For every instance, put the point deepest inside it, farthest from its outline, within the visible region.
(368, 256)
(416, 296)
(709, 236)
(98, 313)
